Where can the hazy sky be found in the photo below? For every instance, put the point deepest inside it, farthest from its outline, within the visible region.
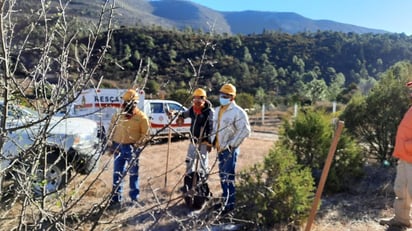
(390, 15)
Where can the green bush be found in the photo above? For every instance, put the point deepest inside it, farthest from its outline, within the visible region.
(309, 137)
(279, 192)
(374, 119)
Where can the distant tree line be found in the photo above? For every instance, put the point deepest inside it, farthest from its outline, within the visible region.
(271, 66)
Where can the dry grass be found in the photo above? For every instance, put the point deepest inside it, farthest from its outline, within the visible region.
(162, 207)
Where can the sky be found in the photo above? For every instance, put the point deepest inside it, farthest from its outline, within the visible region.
(389, 15)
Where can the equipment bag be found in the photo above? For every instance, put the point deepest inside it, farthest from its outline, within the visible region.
(196, 191)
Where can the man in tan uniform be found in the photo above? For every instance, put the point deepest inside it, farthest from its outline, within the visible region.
(128, 131)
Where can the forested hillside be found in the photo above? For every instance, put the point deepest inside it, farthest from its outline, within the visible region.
(272, 67)
(305, 66)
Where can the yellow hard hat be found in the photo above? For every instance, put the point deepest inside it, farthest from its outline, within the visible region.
(228, 89)
(199, 92)
(130, 95)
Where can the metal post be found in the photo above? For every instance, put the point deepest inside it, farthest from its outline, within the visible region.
(263, 114)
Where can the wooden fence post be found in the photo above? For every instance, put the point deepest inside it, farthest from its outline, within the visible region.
(324, 176)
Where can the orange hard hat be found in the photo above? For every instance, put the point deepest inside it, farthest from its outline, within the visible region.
(199, 92)
(130, 95)
(228, 89)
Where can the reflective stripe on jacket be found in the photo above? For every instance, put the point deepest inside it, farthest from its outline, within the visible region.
(234, 126)
(403, 144)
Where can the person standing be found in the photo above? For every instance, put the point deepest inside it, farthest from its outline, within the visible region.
(230, 128)
(127, 133)
(403, 180)
(201, 114)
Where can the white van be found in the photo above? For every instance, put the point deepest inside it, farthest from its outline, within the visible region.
(100, 105)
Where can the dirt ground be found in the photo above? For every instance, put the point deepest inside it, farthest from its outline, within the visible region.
(161, 206)
(161, 203)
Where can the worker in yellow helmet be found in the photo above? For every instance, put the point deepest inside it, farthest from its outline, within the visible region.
(128, 131)
(230, 128)
(201, 114)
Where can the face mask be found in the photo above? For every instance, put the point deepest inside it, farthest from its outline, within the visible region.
(128, 107)
(224, 101)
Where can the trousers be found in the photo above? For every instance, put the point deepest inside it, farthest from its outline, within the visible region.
(227, 164)
(403, 192)
(125, 158)
(200, 152)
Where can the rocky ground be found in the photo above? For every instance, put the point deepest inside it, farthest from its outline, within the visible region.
(362, 207)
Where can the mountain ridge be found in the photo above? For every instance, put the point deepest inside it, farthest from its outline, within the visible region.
(184, 13)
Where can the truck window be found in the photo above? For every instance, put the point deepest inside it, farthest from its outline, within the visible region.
(175, 107)
(156, 108)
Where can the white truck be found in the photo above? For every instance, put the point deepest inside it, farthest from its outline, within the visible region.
(101, 104)
(70, 144)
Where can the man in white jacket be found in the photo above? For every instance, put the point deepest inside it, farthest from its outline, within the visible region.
(230, 128)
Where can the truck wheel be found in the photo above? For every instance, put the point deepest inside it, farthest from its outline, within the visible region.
(86, 165)
(55, 177)
(6, 192)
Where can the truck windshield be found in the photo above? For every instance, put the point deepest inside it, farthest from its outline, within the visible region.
(17, 111)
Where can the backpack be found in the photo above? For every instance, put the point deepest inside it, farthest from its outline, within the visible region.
(196, 191)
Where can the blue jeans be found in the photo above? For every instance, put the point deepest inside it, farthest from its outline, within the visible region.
(227, 164)
(125, 153)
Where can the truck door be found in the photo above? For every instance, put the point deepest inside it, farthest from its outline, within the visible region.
(185, 128)
(157, 117)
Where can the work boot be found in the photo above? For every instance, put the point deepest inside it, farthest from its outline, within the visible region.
(392, 222)
(134, 204)
(114, 205)
(220, 208)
